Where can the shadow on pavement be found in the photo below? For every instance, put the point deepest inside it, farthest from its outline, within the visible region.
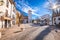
(43, 34)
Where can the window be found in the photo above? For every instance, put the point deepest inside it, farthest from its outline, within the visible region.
(6, 14)
(58, 18)
(1, 12)
(1, 2)
(13, 17)
(59, 22)
(7, 4)
(14, 9)
(54, 19)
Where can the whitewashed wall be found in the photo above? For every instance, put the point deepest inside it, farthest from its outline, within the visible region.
(3, 10)
(57, 21)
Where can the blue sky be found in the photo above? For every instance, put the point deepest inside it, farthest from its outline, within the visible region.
(38, 7)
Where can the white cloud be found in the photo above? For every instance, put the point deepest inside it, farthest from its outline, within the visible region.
(25, 8)
(35, 14)
(49, 3)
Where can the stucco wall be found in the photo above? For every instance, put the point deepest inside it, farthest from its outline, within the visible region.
(57, 21)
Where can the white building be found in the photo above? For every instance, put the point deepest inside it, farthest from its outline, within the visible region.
(29, 16)
(45, 19)
(56, 14)
(7, 13)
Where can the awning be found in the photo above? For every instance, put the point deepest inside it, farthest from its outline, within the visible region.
(7, 18)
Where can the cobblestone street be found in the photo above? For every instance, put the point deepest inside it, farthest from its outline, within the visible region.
(32, 33)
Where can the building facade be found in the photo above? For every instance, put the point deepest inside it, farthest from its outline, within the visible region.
(45, 19)
(7, 13)
(25, 19)
(56, 14)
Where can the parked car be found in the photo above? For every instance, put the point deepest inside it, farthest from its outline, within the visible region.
(42, 23)
(50, 23)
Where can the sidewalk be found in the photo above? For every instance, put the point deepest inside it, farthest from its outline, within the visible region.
(12, 30)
